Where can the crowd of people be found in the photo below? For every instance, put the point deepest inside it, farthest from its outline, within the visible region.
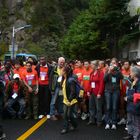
(36, 89)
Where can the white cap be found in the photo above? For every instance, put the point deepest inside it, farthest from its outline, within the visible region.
(16, 76)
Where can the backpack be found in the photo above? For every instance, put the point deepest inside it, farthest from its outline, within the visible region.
(79, 89)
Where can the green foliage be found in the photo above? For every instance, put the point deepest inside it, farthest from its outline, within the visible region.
(3, 49)
(47, 46)
(71, 9)
(47, 17)
(100, 30)
(82, 40)
(84, 29)
(34, 48)
(49, 20)
(51, 48)
(138, 11)
(128, 38)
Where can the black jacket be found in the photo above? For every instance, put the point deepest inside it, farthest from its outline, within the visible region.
(111, 86)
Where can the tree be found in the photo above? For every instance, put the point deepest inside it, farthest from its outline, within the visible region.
(99, 31)
(47, 46)
(47, 17)
(82, 37)
(3, 48)
(71, 9)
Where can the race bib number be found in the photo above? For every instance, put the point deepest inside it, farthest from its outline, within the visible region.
(30, 82)
(43, 75)
(93, 85)
(30, 78)
(113, 79)
(14, 96)
(86, 77)
(59, 79)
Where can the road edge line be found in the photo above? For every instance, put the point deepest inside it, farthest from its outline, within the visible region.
(32, 129)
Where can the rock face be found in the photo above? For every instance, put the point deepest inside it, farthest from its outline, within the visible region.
(13, 5)
(15, 18)
(0, 3)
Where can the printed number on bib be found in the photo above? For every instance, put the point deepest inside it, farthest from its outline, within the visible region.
(14, 96)
(113, 79)
(59, 79)
(93, 85)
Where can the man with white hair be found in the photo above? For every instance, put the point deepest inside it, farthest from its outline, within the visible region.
(56, 90)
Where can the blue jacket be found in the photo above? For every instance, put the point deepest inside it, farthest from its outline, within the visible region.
(131, 108)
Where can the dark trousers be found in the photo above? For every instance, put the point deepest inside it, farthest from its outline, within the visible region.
(1, 105)
(32, 104)
(130, 123)
(44, 99)
(69, 116)
(95, 108)
(2, 89)
(10, 108)
(136, 134)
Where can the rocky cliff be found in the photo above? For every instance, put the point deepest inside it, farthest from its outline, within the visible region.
(13, 14)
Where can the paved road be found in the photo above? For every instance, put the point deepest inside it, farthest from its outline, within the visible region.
(50, 130)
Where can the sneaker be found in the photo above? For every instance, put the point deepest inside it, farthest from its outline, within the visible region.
(114, 127)
(40, 116)
(48, 116)
(91, 123)
(27, 117)
(72, 128)
(84, 116)
(122, 121)
(126, 128)
(63, 131)
(107, 126)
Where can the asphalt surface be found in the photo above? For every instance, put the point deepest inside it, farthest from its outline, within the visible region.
(50, 130)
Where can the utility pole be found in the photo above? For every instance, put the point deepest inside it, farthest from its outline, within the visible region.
(14, 31)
